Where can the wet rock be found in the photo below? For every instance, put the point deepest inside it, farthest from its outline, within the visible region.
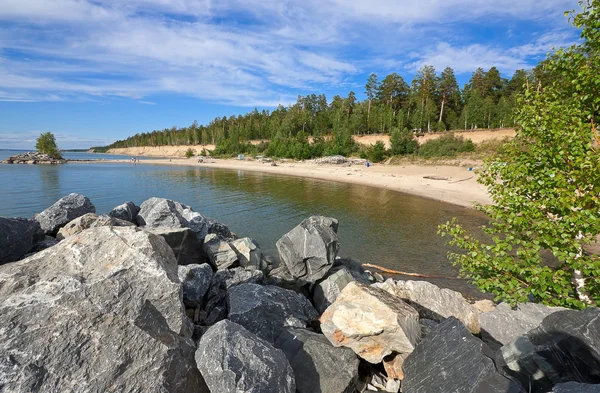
(434, 302)
(219, 252)
(233, 360)
(195, 280)
(127, 211)
(64, 211)
(575, 387)
(18, 236)
(309, 250)
(184, 243)
(98, 312)
(451, 359)
(371, 322)
(267, 310)
(504, 325)
(318, 366)
(248, 254)
(87, 221)
(565, 347)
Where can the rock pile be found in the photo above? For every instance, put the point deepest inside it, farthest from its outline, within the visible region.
(160, 298)
(338, 160)
(34, 157)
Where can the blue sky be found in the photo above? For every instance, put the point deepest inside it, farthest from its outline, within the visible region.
(94, 71)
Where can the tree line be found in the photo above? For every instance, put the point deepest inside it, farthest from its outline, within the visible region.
(431, 102)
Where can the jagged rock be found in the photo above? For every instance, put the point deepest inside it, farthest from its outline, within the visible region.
(309, 249)
(450, 359)
(219, 252)
(33, 157)
(504, 325)
(195, 280)
(434, 302)
(565, 347)
(267, 310)
(87, 221)
(233, 360)
(184, 243)
(318, 366)
(248, 253)
(393, 365)
(574, 387)
(355, 268)
(326, 290)
(64, 211)
(127, 211)
(381, 383)
(99, 312)
(18, 236)
(371, 322)
(160, 212)
(46, 242)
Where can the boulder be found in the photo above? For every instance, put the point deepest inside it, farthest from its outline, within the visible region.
(248, 253)
(326, 290)
(232, 359)
(87, 221)
(99, 312)
(161, 212)
(451, 359)
(184, 243)
(64, 211)
(309, 250)
(575, 387)
(195, 280)
(371, 322)
(18, 236)
(219, 252)
(318, 366)
(46, 242)
(267, 310)
(565, 347)
(128, 211)
(434, 302)
(504, 325)
(393, 365)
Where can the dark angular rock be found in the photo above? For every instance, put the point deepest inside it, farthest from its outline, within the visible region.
(46, 242)
(127, 211)
(318, 365)
(184, 243)
(99, 312)
(564, 348)
(575, 387)
(195, 280)
(451, 359)
(64, 211)
(326, 290)
(267, 310)
(309, 250)
(232, 360)
(18, 236)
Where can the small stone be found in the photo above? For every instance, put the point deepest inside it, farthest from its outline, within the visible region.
(248, 254)
(393, 365)
(219, 252)
(196, 282)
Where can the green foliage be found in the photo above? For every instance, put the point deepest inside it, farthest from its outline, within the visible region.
(189, 153)
(46, 143)
(403, 142)
(544, 185)
(446, 146)
(374, 153)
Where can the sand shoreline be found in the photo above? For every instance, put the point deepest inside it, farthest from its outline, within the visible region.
(460, 188)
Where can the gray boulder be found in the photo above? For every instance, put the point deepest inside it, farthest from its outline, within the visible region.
(248, 253)
(433, 302)
(565, 347)
(64, 211)
(219, 253)
(318, 366)
(98, 312)
(451, 359)
(504, 325)
(18, 236)
(128, 211)
(575, 387)
(233, 360)
(267, 310)
(326, 290)
(184, 243)
(87, 221)
(195, 280)
(309, 250)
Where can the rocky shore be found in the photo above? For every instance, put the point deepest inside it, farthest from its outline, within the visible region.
(33, 157)
(159, 298)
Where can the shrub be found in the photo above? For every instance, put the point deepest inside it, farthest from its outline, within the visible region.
(446, 146)
(189, 153)
(403, 142)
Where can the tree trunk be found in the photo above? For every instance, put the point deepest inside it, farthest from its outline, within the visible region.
(578, 280)
(442, 110)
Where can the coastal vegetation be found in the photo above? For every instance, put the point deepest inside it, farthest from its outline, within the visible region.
(544, 185)
(46, 144)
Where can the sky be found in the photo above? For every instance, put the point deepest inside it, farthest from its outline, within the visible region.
(95, 71)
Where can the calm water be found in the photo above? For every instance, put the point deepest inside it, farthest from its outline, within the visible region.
(377, 226)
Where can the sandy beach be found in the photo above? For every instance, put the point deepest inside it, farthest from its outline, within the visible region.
(459, 186)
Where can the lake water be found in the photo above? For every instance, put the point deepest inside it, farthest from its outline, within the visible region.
(377, 226)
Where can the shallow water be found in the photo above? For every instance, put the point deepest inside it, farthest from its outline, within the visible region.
(378, 226)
